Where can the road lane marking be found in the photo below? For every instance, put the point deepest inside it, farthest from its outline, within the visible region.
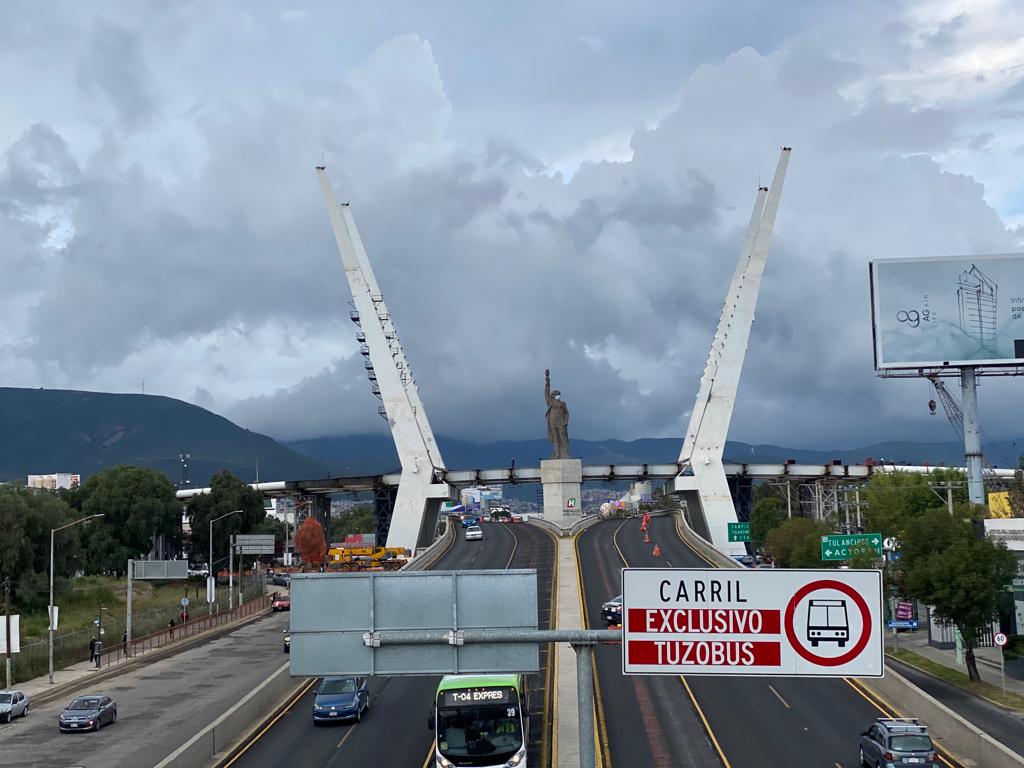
(295, 700)
(668, 563)
(546, 751)
(515, 545)
(345, 737)
(604, 757)
(890, 711)
(430, 755)
(707, 725)
(778, 696)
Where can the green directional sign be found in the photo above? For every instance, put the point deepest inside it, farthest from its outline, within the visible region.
(739, 531)
(840, 547)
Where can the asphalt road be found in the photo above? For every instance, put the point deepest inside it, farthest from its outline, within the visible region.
(654, 721)
(159, 705)
(394, 731)
(1001, 725)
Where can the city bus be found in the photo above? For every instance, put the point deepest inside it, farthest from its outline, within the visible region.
(481, 721)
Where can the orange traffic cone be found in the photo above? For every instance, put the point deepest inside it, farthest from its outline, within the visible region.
(643, 526)
(657, 551)
(647, 538)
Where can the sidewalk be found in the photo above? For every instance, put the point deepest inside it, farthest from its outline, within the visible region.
(150, 647)
(987, 658)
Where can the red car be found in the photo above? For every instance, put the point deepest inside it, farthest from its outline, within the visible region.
(281, 603)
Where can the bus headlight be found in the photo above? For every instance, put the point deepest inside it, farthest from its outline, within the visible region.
(443, 762)
(517, 758)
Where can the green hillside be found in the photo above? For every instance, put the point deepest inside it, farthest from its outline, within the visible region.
(48, 430)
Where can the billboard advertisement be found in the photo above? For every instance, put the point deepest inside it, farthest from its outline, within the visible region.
(950, 311)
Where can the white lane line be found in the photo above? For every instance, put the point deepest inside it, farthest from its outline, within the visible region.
(349, 732)
(772, 689)
(668, 563)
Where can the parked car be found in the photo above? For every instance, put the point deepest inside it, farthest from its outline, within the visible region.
(12, 704)
(611, 611)
(892, 741)
(287, 641)
(198, 570)
(281, 603)
(474, 533)
(341, 698)
(88, 713)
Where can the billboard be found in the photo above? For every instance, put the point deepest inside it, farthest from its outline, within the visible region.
(949, 311)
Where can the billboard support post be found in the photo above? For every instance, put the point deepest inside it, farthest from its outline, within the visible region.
(128, 617)
(972, 435)
(231, 573)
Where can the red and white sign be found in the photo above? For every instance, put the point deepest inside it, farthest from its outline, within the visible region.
(999, 639)
(796, 623)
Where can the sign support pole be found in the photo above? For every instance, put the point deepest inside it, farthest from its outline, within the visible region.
(972, 435)
(128, 618)
(231, 573)
(585, 702)
(7, 628)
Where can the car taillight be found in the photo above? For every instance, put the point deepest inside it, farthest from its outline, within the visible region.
(888, 756)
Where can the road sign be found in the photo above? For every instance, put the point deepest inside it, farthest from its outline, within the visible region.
(840, 547)
(902, 624)
(15, 620)
(739, 531)
(211, 589)
(570, 503)
(334, 618)
(794, 623)
(890, 543)
(184, 602)
(160, 569)
(904, 610)
(254, 538)
(999, 639)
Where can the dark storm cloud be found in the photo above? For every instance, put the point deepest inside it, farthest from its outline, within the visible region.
(116, 68)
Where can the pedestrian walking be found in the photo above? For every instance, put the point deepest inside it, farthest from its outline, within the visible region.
(170, 627)
(92, 650)
(124, 642)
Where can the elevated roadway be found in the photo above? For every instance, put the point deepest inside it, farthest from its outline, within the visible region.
(394, 731)
(160, 705)
(674, 721)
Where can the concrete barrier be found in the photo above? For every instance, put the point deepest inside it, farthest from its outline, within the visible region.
(200, 750)
(968, 743)
(425, 559)
(699, 544)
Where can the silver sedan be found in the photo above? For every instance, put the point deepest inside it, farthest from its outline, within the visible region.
(12, 704)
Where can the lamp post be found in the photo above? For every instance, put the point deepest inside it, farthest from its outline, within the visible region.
(210, 561)
(53, 531)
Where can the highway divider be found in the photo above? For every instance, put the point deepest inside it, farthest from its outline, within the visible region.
(952, 731)
(426, 559)
(222, 733)
(700, 545)
(559, 531)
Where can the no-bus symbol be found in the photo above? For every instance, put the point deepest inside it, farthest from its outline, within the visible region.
(827, 621)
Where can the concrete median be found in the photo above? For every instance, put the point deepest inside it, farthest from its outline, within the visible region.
(222, 733)
(967, 742)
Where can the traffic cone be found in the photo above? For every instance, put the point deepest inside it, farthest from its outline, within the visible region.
(647, 538)
(657, 551)
(643, 525)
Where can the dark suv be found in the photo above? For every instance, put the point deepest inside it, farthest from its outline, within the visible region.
(895, 742)
(611, 611)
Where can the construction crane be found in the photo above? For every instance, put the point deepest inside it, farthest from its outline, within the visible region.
(954, 413)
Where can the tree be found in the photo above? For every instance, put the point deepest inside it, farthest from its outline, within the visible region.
(1016, 491)
(310, 542)
(766, 515)
(895, 498)
(359, 519)
(138, 505)
(26, 519)
(227, 494)
(946, 565)
(796, 543)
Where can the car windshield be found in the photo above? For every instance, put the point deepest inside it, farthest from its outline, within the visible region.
(6, 698)
(493, 730)
(910, 743)
(86, 703)
(344, 685)
(616, 599)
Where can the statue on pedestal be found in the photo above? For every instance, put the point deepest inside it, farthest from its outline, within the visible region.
(558, 420)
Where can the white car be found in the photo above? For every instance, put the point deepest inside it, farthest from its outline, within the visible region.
(12, 704)
(474, 533)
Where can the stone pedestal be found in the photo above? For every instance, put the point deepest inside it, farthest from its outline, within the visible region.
(563, 502)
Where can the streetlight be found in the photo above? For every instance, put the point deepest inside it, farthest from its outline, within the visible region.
(53, 531)
(209, 563)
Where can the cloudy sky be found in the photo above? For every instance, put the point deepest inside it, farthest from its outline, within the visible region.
(538, 184)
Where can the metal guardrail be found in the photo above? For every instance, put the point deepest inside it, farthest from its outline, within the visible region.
(180, 632)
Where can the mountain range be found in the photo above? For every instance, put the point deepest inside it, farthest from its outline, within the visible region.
(48, 430)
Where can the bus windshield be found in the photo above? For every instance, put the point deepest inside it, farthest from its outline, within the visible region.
(493, 731)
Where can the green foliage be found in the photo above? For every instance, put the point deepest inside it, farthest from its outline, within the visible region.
(796, 543)
(946, 565)
(137, 505)
(227, 493)
(359, 519)
(896, 498)
(766, 515)
(26, 519)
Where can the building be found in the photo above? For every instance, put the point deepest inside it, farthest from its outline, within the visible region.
(58, 480)
(1011, 533)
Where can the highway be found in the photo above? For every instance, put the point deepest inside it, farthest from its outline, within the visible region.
(673, 721)
(394, 731)
(160, 705)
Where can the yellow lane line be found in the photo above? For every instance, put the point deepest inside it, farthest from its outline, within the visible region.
(430, 755)
(604, 757)
(294, 700)
(778, 695)
(707, 725)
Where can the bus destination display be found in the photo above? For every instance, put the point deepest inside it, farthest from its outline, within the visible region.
(476, 696)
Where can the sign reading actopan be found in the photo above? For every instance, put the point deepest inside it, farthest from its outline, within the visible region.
(798, 623)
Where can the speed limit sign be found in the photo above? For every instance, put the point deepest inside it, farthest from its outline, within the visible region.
(999, 639)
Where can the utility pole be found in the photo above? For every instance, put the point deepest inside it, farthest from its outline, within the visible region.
(7, 627)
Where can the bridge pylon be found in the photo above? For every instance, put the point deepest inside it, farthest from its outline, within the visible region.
(702, 482)
(412, 520)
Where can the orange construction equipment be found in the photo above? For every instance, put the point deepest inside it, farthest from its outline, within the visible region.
(647, 538)
(657, 551)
